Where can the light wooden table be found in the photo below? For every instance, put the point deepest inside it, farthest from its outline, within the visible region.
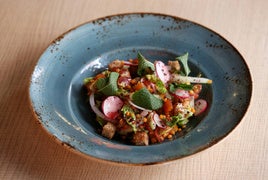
(27, 152)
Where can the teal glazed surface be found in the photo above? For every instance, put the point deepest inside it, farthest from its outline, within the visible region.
(61, 106)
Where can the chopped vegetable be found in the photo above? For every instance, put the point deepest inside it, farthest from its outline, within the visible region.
(129, 116)
(160, 87)
(178, 120)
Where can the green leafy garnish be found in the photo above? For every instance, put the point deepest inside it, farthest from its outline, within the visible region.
(184, 60)
(101, 83)
(160, 87)
(129, 116)
(144, 66)
(109, 88)
(145, 99)
(177, 120)
(174, 86)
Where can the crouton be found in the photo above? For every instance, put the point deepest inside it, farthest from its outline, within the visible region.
(140, 139)
(175, 66)
(108, 130)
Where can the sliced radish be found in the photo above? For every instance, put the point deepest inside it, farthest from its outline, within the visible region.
(200, 106)
(96, 109)
(158, 121)
(162, 71)
(111, 105)
(180, 93)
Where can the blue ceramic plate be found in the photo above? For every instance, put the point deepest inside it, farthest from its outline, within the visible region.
(61, 106)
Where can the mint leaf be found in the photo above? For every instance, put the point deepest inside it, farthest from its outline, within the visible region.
(184, 60)
(101, 83)
(111, 87)
(144, 66)
(145, 99)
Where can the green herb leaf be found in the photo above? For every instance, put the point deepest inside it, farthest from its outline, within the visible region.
(111, 87)
(101, 83)
(145, 99)
(177, 120)
(184, 60)
(129, 116)
(144, 66)
(160, 87)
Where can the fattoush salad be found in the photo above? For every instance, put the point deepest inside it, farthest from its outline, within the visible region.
(145, 103)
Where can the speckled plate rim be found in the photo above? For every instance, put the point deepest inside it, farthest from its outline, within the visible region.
(76, 151)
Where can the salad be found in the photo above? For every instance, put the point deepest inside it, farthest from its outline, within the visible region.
(144, 102)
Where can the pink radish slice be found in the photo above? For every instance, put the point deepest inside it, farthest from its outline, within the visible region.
(200, 106)
(162, 71)
(180, 93)
(158, 121)
(111, 105)
(96, 109)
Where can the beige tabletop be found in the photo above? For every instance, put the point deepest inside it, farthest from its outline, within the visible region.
(28, 152)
